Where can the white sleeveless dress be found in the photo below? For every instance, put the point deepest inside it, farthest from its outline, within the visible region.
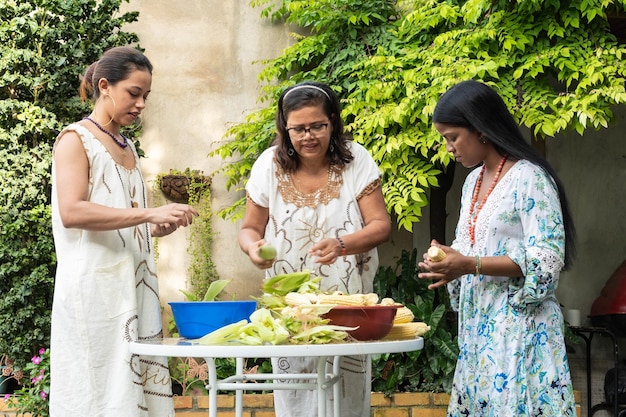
(106, 295)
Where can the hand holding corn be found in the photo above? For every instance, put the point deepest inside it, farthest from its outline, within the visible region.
(436, 254)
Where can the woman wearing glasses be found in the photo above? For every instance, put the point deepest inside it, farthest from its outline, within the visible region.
(316, 196)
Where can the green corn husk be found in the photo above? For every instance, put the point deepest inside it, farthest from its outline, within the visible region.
(224, 334)
(283, 284)
(215, 288)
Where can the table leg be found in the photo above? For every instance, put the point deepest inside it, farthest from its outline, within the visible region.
(337, 386)
(212, 386)
(239, 392)
(321, 391)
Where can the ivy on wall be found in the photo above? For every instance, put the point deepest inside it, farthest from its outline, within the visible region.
(44, 47)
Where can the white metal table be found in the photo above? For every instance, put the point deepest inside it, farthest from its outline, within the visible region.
(175, 347)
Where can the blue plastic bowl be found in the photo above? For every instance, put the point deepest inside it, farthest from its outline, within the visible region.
(195, 319)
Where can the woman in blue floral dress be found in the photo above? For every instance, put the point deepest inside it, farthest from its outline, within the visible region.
(514, 236)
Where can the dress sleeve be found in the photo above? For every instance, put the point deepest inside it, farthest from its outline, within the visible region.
(365, 175)
(540, 253)
(257, 187)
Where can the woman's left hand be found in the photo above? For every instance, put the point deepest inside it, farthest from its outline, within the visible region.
(160, 230)
(326, 251)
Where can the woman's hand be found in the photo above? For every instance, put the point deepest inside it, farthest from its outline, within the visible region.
(253, 253)
(326, 251)
(173, 214)
(166, 219)
(160, 230)
(444, 271)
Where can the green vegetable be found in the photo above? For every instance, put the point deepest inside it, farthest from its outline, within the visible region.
(223, 334)
(267, 252)
(189, 296)
(212, 292)
(215, 289)
(325, 333)
(286, 283)
(263, 329)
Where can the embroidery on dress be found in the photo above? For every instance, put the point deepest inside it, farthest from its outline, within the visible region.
(322, 196)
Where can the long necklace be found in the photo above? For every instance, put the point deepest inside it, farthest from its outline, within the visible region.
(122, 145)
(474, 210)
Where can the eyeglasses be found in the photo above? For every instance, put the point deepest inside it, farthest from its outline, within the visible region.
(299, 132)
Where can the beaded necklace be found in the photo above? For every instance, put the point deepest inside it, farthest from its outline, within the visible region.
(122, 145)
(474, 210)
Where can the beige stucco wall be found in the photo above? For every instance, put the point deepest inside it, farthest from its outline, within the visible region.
(205, 80)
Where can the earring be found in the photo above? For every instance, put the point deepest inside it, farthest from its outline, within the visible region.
(290, 152)
(114, 110)
(331, 148)
(482, 139)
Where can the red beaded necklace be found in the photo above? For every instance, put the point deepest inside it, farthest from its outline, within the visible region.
(474, 210)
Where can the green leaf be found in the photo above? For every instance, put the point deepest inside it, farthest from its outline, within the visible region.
(215, 288)
(190, 296)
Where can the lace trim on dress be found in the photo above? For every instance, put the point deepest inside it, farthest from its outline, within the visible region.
(330, 191)
(370, 188)
(488, 211)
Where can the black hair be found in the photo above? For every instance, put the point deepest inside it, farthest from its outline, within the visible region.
(307, 94)
(479, 108)
(115, 65)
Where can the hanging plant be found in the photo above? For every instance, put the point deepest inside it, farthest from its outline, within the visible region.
(194, 188)
(176, 185)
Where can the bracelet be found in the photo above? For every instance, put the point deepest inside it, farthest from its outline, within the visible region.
(477, 265)
(343, 246)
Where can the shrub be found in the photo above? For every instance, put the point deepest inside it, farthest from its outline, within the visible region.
(44, 48)
(429, 369)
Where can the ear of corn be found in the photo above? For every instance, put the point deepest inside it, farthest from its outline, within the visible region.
(342, 300)
(370, 299)
(404, 331)
(336, 298)
(283, 284)
(299, 299)
(403, 315)
(436, 254)
(388, 301)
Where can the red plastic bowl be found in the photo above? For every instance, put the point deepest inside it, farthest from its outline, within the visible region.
(373, 322)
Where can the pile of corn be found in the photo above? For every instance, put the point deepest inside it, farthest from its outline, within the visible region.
(336, 298)
(403, 325)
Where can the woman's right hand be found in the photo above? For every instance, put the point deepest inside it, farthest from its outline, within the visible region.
(444, 271)
(253, 253)
(179, 214)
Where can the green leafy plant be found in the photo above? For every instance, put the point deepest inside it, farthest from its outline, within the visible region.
(45, 47)
(194, 188)
(34, 394)
(190, 375)
(557, 64)
(429, 369)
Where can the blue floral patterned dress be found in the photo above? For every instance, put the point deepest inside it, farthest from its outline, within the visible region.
(512, 359)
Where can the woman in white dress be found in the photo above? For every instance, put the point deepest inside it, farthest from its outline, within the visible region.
(106, 289)
(514, 236)
(317, 197)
